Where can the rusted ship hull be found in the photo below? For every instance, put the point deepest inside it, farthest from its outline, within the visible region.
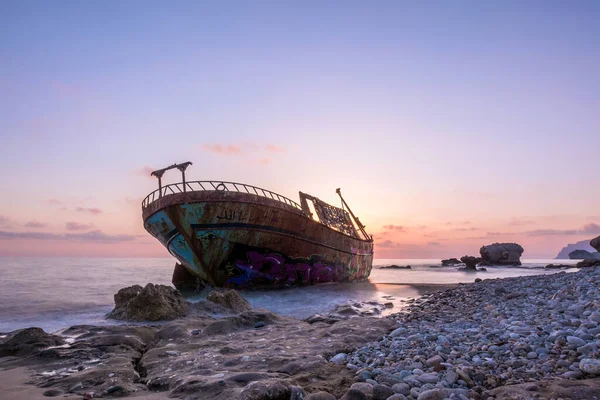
(235, 239)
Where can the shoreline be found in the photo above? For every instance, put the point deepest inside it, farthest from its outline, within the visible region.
(493, 339)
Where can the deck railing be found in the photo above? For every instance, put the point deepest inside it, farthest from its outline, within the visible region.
(197, 186)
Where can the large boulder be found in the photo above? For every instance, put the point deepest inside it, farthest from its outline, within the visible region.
(230, 299)
(595, 243)
(28, 341)
(584, 255)
(470, 262)
(151, 303)
(501, 254)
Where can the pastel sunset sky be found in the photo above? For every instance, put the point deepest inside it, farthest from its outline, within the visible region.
(447, 125)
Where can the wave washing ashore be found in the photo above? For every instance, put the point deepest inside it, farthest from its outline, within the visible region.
(510, 338)
(38, 298)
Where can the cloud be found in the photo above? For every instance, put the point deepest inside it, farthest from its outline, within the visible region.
(274, 149)
(226, 150)
(145, 171)
(434, 243)
(35, 224)
(242, 149)
(592, 229)
(94, 211)
(4, 221)
(520, 222)
(398, 228)
(96, 236)
(458, 223)
(76, 226)
(588, 229)
(465, 229)
(488, 234)
(386, 244)
(55, 202)
(264, 161)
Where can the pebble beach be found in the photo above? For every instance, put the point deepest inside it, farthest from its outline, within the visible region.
(465, 342)
(534, 337)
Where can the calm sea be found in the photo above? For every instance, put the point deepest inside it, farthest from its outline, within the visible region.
(55, 293)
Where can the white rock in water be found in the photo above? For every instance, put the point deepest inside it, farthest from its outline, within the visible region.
(590, 366)
(339, 358)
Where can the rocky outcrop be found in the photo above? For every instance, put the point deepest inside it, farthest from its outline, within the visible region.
(584, 255)
(470, 262)
(450, 261)
(588, 263)
(393, 266)
(151, 303)
(501, 254)
(595, 243)
(582, 245)
(28, 341)
(559, 266)
(230, 300)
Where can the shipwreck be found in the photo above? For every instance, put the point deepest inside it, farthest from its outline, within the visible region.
(231, 234)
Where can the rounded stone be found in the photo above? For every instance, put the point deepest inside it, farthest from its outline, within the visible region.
(590, 366)
(401, 388)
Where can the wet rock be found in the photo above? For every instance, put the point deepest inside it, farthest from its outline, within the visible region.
(52, 393)
(396, 267)
(28, 341)
(246, 377)
(595, 243)
(273, 389)
(115, 390)
(588, 263)
(501, 254)
(185, 281)
(470, 262)
(151, 303)
(558, 266)
(230, 299)
(450, 261)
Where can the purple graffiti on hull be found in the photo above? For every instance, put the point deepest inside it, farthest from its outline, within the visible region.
(273, 267)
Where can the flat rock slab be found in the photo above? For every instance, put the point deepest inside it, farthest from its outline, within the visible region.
(566, 389)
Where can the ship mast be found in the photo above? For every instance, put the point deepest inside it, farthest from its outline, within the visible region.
(361, 227)
(159, 173)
